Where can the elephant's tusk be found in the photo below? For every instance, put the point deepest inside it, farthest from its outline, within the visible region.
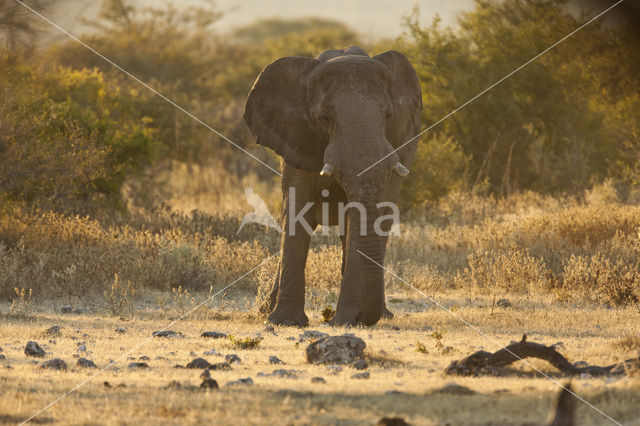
(400, 169)
(327, 170)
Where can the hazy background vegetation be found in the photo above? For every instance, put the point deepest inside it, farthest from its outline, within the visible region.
(79, 138)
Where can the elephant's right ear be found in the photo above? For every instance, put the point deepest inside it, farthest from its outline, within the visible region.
(277, 114)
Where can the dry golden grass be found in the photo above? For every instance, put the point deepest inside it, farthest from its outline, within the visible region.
(140, 396)
(569, 269)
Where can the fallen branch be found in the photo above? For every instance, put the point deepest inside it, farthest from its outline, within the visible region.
(483, 362)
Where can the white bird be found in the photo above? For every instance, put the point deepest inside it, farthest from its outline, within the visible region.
(260, 213)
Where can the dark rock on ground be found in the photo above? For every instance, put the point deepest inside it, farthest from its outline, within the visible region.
(54, 364)
(289, 374)
(144, 358)
(211, 384)
(214, 335)
(232, 358)
(247, 381)
(394, 392)
(360, 364)
(66, 309)
(120, 330)
(309, 335)
(138, 365)
(178, 366)
(167, 333)
(220, 366)
(199, 363)
(392, 421)
(87, 363)
(2, 356)
(275, 360)
(81, 348)
(33, 349)
(503, 303)
(455, 389)
(52, 331)
(395, 328)
(318, 380)
(335, 350)
(364, 375)
(269, 329)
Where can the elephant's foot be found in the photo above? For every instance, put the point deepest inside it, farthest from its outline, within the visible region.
(386, 314)
(268, 305)
(290, 317)
(345, 318)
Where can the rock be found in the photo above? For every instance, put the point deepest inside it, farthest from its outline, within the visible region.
(334, 369)
(392, 421)
(275, 360)
(80, 311)
(167, 333)
(504, 303)
(199, 363)
(107, 384)
(2, 356)
(310, 335)
(54, 364)
(52, 331)
(144, 358)
(394, 392)
(289, 374)
(66, 309)
(214, 335)
(220, 366)
(138, 365)
(82, 348)
(120, 330)
(318, 380)
(192, 353)
(86, 363)
(335, 350)
(269, 329)
(360, 364)
(248, 381)
(34, 349)
(211, 352)
(455, 389)
(364, 375)
(212, 384)
(232, 358)
(395, 328)
(291, 338)
(0, 349)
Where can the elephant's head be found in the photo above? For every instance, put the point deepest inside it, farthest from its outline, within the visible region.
(337, 115)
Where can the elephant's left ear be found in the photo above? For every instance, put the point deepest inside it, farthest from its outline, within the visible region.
(404, 122)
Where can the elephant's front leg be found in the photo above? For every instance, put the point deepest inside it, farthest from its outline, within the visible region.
(298, 218)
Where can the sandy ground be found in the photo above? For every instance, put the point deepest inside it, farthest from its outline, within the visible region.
(141, 396)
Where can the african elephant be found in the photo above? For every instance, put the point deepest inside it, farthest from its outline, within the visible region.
(330, 118)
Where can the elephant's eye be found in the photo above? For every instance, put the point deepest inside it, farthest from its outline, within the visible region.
(324, 118)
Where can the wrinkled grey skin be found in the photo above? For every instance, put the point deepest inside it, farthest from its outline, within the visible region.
(349, 110)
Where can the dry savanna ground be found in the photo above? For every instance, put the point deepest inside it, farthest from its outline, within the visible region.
(569, 269)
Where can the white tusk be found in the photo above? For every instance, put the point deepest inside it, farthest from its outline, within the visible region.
(327, 170)
(400, 169)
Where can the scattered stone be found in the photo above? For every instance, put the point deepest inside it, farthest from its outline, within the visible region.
(310, 335)
(80, 311)
(0, 349)
(392, 421)
(275, 360)
(52, 331)
(120, 330)
(82, 348)
(2, 356)
(318, 380)
(192, 353)
(66, 309)
(221, 366)
(137, 365)
(144, 358)
(394, 392)
(205, 374)
(335, 350)
(247, 381)
(504, 303)
(455, 389)
(55, 364)
(269, 329)
(167, 333)
(289, 374)
(364, 375)
(214, 335)
(212, 384)
(232, 358)
(291, 338)
(199, 363)
(178, 366)
(107, 384)
(34, 349)
(395, 328)
(360, 364)
(334, 369)
(86, 363)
